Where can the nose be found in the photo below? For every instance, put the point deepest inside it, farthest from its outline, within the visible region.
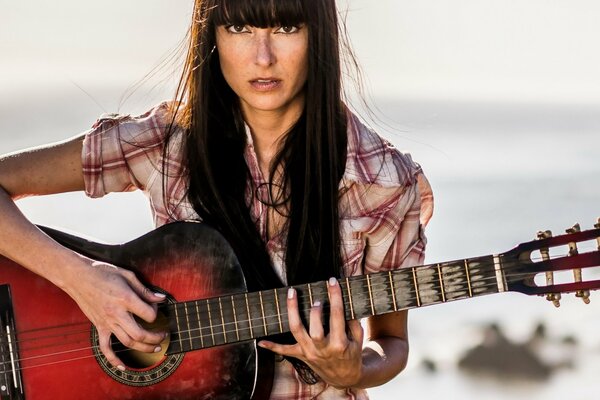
(265, 55)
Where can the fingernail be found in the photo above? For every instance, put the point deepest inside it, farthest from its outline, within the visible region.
(157, 349)
(120, 368)
(291, 293)
(261, 344)
(317, 303)
(332, 281)
(161, 295)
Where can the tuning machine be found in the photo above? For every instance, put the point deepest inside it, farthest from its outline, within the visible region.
(583, 294)
(597, 226)
(545, 252)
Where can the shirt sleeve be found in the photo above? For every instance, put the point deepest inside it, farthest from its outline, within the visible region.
(398, 239)
(121, 153)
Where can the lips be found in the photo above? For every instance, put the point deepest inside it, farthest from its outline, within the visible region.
(265, 84)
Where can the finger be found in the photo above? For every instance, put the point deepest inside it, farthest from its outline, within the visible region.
(134, 302)
(337, 321)
(315, 327)
(296, 327)
(141, 339)
(142, 290)
(356, 330)
(106, 349)
(290, 350)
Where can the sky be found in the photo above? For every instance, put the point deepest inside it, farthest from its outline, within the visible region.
(535, 50)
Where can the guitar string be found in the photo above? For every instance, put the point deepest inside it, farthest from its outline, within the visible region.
(358, 280)
(428, 267)
(432, 288)
(186, 339)
(224, 332)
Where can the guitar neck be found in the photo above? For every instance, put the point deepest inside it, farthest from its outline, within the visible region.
(245, 316)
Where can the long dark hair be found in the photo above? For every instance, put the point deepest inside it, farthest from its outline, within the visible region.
(312, 154)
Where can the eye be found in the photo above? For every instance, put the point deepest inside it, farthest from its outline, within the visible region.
(237, 28)
(288, 29)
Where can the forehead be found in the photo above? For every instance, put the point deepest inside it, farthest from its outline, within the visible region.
(259, 13)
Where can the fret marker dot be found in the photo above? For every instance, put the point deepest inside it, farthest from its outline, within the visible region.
(3, 387)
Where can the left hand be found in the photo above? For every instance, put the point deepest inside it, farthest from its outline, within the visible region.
(337, 357)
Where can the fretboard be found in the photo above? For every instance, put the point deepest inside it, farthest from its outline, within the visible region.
(228, 319)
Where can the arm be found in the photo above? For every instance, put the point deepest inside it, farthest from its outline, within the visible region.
(107, 295)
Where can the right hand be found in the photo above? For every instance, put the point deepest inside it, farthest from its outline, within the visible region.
(110, 297)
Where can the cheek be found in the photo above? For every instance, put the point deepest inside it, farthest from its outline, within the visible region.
(229, 67)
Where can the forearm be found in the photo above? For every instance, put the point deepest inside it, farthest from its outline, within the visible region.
(382, 359)
(24, 243)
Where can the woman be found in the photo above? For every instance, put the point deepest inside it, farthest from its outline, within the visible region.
(260, 146)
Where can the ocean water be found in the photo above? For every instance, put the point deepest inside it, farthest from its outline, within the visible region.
(500, 172)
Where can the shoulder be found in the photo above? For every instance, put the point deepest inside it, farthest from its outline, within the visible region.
(372, 160)
(148, 129)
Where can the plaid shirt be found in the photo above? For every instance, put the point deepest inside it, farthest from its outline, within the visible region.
(385, 203)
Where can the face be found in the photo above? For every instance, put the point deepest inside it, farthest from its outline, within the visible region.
(265, 67)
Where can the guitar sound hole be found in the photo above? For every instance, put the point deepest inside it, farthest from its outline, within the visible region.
(135, 359)
(142, 369)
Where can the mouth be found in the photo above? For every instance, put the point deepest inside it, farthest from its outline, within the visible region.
(265, 84)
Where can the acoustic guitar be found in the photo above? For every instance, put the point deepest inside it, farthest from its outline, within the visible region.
(49, 350)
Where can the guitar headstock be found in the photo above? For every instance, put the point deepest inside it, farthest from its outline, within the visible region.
(575, 251)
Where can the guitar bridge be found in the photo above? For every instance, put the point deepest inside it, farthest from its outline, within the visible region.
(11, 386)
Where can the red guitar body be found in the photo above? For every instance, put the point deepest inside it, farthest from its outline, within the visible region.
(48, 349)
(52, 343)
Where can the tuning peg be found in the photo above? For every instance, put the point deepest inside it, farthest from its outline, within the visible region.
(545, 252)
(583, 294)
(597, 226)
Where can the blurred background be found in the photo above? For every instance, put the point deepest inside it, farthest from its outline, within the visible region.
(499, 101)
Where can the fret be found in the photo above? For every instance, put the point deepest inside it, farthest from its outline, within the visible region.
(360, 297)
(212, 330)
(317, 292)
(272, 317)
(178, 329)
(439, 270)
(278, 310)
(243, 322)
(428, 288)
(223, 321)
(219, 328)
(189, 330)
(370, 295)
(199, 324)
(235, 321)
(468, 275)
(262, 311)
(455, 281)
(403, 283)
(379, 288)
(392, 290)
(418, 297)
(249, 315)
(350, 299)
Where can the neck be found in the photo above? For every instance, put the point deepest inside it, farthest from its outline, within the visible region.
(267, 129)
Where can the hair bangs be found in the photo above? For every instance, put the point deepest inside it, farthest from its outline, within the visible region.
(259, 13)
